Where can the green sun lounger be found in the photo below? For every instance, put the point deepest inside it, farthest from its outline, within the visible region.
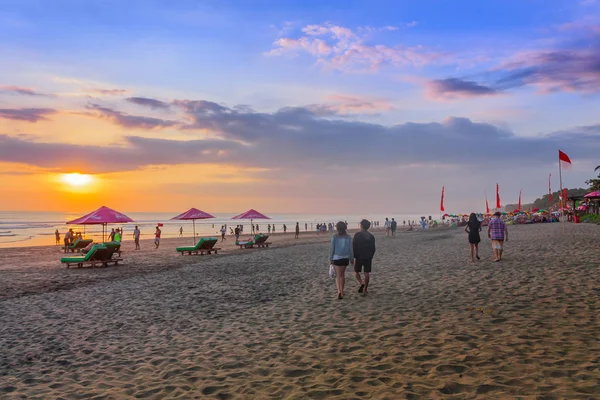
(87, 258)
(259, 240)
(78, 245)
(204, 245)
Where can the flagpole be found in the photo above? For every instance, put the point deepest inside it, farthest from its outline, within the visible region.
(562, 209)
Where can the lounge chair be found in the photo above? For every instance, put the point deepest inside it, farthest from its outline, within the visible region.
(204, 245)
(89, 257)
(78, 245)
(259, 240)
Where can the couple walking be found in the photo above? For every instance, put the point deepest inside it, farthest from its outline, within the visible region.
(358, 251)
(497, 232)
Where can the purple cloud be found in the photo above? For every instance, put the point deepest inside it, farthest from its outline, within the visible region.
(129, 121)
(26, 114)
(107, 92)
(572, 66)
(456, 88)
(298, 139)
(22, 91)
(147, 102)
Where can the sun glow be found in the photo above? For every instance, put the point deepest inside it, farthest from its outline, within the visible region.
(77, 180)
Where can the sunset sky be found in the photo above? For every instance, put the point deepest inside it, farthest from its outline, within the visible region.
(294, 106)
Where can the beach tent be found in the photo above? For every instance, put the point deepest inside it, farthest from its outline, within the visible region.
(251, 214)
(102, 216)
(193, 214)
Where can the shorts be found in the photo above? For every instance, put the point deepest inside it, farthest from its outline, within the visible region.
(363, 263)
(344, 262)
(497, 244)
(137, 240)
(156, 240)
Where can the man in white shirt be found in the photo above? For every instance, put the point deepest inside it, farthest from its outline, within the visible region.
(387, 226)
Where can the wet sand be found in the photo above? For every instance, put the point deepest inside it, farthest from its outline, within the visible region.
(265, 323)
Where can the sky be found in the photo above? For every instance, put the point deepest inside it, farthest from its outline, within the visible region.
(295, 106)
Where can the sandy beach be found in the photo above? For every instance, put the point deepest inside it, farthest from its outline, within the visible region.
(265, 323)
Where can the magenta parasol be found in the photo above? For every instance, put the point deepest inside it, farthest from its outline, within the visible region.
(193, 214)
(101, 216)
(251, 214)
(593, 195)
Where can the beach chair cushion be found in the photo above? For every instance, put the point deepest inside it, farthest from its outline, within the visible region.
(80, 259)
(203, 244)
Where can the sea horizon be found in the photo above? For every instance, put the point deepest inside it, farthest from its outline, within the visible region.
(37, 228)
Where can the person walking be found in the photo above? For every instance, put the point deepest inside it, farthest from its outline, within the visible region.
(306, 227)
(363, 246)
(157, 234)
(498, 232)
(237, 233)
(111, 237)
(181, 231)
(284, 228)
(68, 239)
(393, 226)
(340, 254)
(297, 231)
(473, 228)
(136, 237)
(117, 236)
(57, 234)
(223, 232)
(269, 228)
(387, 226)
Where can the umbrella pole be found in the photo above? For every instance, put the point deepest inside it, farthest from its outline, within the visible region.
(194, 224)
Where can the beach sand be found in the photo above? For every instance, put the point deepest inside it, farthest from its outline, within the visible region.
(265, 323)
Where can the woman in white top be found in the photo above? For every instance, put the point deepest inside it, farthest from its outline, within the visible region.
(341, 255)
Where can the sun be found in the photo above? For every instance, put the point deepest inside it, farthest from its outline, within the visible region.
(77, 180)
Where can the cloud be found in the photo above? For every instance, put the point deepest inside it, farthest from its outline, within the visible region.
(340, 48)
(300, 140)
(22, 91)
(107, 92)
(452, 88)
(26, 114)
(147, 102)
(569, 66)
(129, 121)
(561, 70)
(346, 104)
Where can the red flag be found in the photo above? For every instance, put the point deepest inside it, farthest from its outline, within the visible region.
(565, 198)
(519, 207)
(442, 201)
(563, 157)
(498, 197)
(487, 207)
(549, 190)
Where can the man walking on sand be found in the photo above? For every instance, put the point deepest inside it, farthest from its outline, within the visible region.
(136, 237)
(157, 237)
(498, 232)
(393, 227)
(363, 246)
(387, 226)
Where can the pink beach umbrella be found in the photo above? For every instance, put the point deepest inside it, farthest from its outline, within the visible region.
(101, 216)
(593, 195)
(251, 214)
(193, 214)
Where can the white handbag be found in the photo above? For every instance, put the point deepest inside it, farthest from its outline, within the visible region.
(331, 271)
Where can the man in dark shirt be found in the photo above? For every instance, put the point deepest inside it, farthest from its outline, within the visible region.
(364, 248)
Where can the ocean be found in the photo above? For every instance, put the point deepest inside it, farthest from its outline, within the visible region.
(18, 229)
